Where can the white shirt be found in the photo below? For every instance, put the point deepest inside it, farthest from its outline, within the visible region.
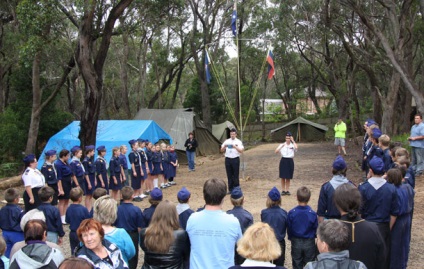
(33, 178)
(287, 151)
(230, 151)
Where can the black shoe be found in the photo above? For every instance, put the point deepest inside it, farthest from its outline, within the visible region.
(137, 199)
(288, 193)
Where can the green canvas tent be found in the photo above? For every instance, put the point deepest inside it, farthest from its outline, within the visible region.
(302, 130)
(222, 131)
(178, 123)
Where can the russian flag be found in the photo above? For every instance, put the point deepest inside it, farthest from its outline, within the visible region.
(270, 60)
(207, 69)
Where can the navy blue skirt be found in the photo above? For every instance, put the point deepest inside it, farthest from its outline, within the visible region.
(286, 168)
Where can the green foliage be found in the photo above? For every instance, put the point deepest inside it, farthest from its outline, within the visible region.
(9, 169)
(402, 138)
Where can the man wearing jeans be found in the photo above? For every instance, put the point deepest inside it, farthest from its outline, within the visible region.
(416, 141)
(191, 145)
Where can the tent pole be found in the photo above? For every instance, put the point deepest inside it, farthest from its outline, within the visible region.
(298, 132)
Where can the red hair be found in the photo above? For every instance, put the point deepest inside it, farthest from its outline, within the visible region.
(89, 224)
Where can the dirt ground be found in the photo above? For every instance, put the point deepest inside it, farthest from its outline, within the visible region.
(312, 168)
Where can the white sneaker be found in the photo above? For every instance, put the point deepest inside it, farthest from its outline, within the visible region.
(62, 218)
(142, 196)
(172, 183)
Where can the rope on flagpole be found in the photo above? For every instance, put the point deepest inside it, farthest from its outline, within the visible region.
(221, 88)
(255, 91)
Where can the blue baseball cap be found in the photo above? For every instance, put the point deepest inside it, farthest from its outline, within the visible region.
(274, 194)
(376, 133)
(75, 149)
(156, 194)
(50, 153)
(101, 148)
(89, 147)
(289, 134)
(183, 194)
(339, 163)
(377, 165)
(29, 158)
(236, 193)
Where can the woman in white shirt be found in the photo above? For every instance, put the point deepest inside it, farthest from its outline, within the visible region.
(287, 151)
(33, 181)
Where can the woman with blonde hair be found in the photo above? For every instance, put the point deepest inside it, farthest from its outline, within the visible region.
(106, 212)
(164, 243)
(259, 246)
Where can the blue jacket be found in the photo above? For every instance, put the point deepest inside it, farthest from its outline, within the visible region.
(10, 218)
(53, 221)
(276, 217)
(302, 223)
(243, 216)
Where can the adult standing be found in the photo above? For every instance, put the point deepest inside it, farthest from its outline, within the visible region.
(416, 141)
(191, 145)
(33, 181)
(287, 151)
(233, 147)
(213, 233)
(340, 135)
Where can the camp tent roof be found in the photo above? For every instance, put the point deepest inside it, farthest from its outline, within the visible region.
(221, 131)
(110, 133)
(301, 129)
(179, 123)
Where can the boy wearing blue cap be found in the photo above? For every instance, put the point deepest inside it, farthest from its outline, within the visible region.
(154, 199)
(10, 219)
(244, 217)
(101, 169)
(131, 219)
(379, 201)
(326, 207)
(302, 226)
(90, 175)
(374, 149)
(183, 208)
(50, 174)
(276, 217)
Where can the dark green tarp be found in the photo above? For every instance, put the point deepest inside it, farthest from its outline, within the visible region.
(302, 130)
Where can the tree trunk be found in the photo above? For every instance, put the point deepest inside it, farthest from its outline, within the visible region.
(387, 124)
(124, 72)
(36, 102)
(92, 71)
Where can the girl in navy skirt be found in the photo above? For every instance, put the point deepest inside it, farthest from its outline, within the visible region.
(165, 164)
(157, 172)
(116, 173)
(287, 151)
(90, 175)
(101, 169)
(78, 179)
(64, 175)
(173, 164)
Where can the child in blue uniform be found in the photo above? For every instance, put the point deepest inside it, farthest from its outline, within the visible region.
(124, 163)
(302, 226)
(374, 149)
(64, 177)
(101, 169)
(54, 223)
(116, 172)
(78, 169)
(157, 172)
(379, 202)
(183, 208)
(401, 229)
(154, 199)
(90, 175)
(98, 192)
(276, 217)
(384, 143)
(75, 214)
(131, 219)
(49, 171)
(149, 156)
(244, 217)
(10, 219)
(173, 164)
(165, 164)
(326, 207)
(137, 173)
(144, 169)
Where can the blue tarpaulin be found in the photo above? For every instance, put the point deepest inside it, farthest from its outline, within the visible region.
(110, 133)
